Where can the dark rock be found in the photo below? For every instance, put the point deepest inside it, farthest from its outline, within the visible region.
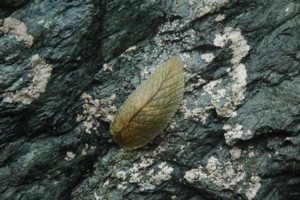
(65, 67)
(12, 3)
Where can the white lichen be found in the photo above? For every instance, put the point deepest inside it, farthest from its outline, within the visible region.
(127, 52)
(251, 154)
(121, 175)
(239, 45)
(233, 134)
(193, 86)
(220, 18)
(254, 187)
(38, 75)
(173, 125)
(96, 110)
(196, 114)
(96, 196)
(145, 72)
(84, 150)
(225, 175)
(206, 6)
(195, 174)
(17, 29)
(224, 100)
(156, 179)
(207, 57)
(158, 150)
(238, 71)
(218, 96)
(70, 155)
(146, 178)
(208, 88)
(235, 153)
(108, 67)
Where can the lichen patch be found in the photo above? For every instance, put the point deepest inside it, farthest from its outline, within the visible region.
(17, 29)
(238, 72)
(96, 196)
(95, 110)
(207, 57)
(39, 76)
(207, 6)
(70, 155)
(145, 176)
(226, 176)
(239, 45)
(196, 114)
(235, 153)
(194, 86)
(223, 99)
(108, 67)
(220, 18)
(233, 134)
(127, 53)
(254, 187)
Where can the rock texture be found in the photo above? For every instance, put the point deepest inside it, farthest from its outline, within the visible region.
(66, 66)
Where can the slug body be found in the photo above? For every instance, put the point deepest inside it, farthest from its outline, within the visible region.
(149, 109)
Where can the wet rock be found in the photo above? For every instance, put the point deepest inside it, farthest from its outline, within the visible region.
(67, 66)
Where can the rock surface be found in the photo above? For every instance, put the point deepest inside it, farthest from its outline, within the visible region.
(66, 66)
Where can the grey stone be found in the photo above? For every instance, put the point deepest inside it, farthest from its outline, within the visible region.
(66, 66)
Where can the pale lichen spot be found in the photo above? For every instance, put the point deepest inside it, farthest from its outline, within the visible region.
(163, 174)
(193, 86)
(96, 110)
(239, 45)
(196, 114)
(207, 57)
(251, 154)
(173, 125)
(17, 29)
(146, 72)
(254, 187)
(209, 86)
(84, 150)
(220, 18)
(121, 175)
(146, 178)
(207, 6)
(223, 100)
(70, 156)
(127, 52)
(39, 76)
(96, 196)
(235, 153)
(225, 175)
(233, 134)
(239, 73)
(108, 67)
(195, 174)
(158, 150)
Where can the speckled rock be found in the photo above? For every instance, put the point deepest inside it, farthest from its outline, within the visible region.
(67, 66)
